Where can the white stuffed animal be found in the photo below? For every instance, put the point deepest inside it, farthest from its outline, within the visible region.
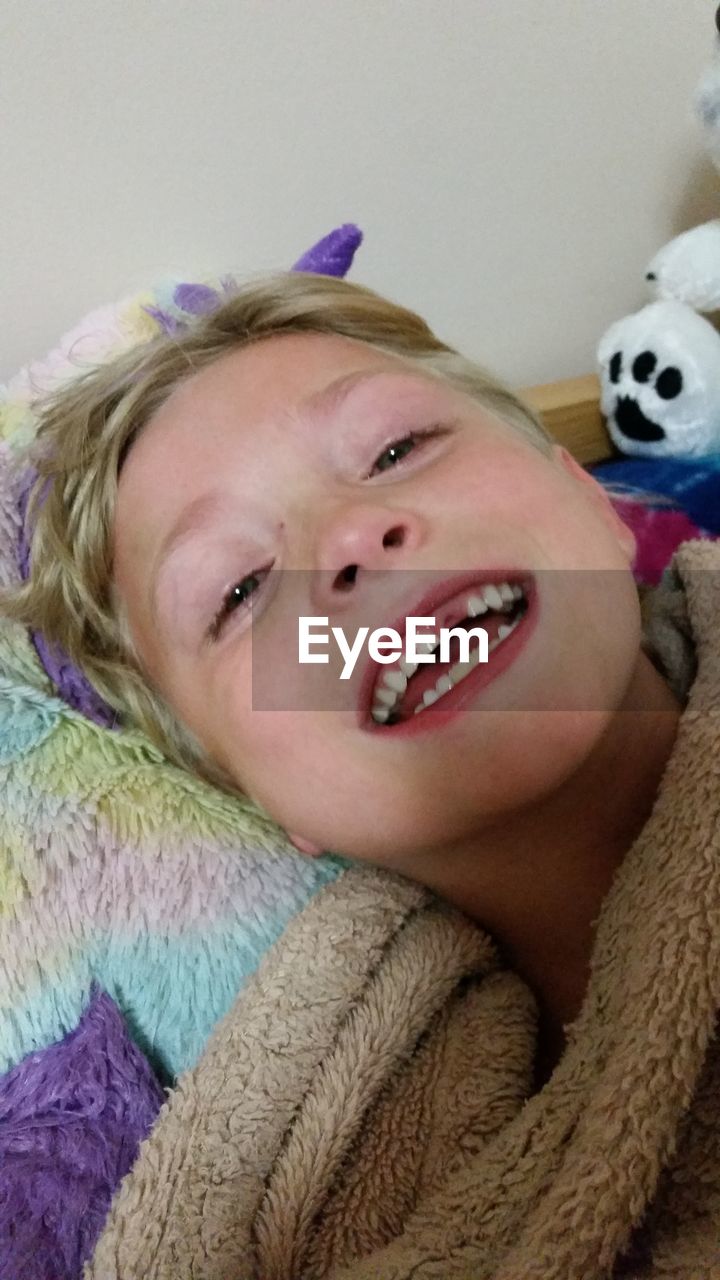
(688, 267)
(660, 368)
(660, 379)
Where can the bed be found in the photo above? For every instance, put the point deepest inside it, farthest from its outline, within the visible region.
(90, 815)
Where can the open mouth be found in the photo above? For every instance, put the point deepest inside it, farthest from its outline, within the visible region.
(406, 690)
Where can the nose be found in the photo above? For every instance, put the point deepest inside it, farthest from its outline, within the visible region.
(358, 537)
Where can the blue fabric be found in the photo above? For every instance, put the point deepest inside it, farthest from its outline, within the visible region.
(694, 485)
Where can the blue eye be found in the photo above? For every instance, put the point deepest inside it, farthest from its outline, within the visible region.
(399, 449)
(235, 599)
(393, 453)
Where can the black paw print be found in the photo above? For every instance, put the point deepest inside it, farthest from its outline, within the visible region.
(628, 415)
(668, 384)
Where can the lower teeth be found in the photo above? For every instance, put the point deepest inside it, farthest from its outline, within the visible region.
(467, 668)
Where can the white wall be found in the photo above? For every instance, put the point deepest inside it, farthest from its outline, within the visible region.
(513, 163)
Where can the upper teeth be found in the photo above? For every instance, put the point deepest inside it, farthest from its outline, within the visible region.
(390, 689)
(492, 597)
(396, 680)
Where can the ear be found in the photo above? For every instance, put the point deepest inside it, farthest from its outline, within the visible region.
(601, 498)
(303, 845)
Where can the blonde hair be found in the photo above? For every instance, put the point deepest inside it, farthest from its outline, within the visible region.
(86, 428)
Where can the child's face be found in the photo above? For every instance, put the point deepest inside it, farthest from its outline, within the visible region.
(294, 491)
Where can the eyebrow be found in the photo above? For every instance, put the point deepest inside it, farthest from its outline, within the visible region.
(328, 400)
(321, 404)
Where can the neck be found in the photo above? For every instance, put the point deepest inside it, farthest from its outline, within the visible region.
(536, 880)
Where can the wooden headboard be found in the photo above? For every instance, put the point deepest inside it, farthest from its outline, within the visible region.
(571, 412)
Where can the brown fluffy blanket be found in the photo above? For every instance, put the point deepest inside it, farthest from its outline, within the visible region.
(366, 1111)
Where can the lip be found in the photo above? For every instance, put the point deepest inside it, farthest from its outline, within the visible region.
(454, 701)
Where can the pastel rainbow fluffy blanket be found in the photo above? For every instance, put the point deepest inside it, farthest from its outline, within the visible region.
(350, 1071)
(129, 893)
(135, 901)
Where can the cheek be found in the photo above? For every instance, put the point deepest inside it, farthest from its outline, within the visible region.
(547, 749)
(282, 762)
(525, 488)
(512, 481)
(563, 520)
(346, 801)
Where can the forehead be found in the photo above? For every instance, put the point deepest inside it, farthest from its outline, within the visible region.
(274, 379)
(282, 384)
(293, 380)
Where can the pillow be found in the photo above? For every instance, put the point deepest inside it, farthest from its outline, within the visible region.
(118, 867)
(135, 899)
(665, 501)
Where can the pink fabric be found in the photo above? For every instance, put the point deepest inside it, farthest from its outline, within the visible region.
(659, 532)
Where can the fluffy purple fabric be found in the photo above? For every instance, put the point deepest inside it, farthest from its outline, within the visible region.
(333, 255)
(71, 1120)
(70, 683)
